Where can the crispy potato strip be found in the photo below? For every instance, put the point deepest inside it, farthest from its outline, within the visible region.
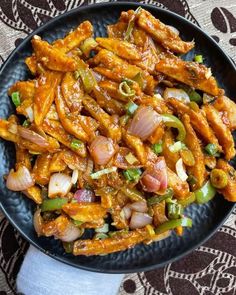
(74, 38)
(198, 121)
(44, 95)
(118, 242)
(55, 129)
(223, 133)
(193, 143)
(190, 73)
(162, 33)
(170, 158)
(41, 170)
(227, 108)
(229, 191)
(51, 57)
(106, 123)
(85, 212)
(121, 48)
(22, 157)
(34, 193)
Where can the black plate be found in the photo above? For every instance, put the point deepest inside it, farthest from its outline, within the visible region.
(18, 209)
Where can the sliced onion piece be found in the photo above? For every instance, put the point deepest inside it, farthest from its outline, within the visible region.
(177, 93)
(126, 212)
(102, 150)
(139, 220)
(71, 233)
(32, 136)
(59, 185)
(139, 206)
(84, 196)
(30, 113)
(144, 122)
(19, 180)
(180, 170)
(155, 176)
(75, 176)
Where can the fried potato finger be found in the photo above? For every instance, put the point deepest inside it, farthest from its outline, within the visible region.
(41, 170)
(180, 188)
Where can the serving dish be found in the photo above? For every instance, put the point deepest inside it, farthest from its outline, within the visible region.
(206, 218)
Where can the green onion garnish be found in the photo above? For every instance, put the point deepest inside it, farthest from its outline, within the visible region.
(16, 98)
(103, 229)
(125, 90)
(211, 149)
(158, 199)
(174, 210)
(131, 107)
(76, 144)
(194, 96)
(157, 148)
(99, 173)
(198, 58)
(100, 236)
(132, 174)
(176, 147)
(26, 123)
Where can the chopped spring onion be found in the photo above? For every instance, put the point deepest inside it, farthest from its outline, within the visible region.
(131, 159)
(211, 149)
(53, 204)
(132, 174)
(88, 45)
(86, 75)
(192, 180)
(101, 236)
(99, 173)
(26, 123)
(172, 224)
(198, 58)
(76, 144)
(131, 107)
(131, 24)
(157, 148)
(176, 147)
(174, 210)
(16, 98)
(125, 89)
(124, 120)
(103, 229)
(68, 247)
(158, 199)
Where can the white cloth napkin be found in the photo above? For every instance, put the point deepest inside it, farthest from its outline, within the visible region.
(42, 275)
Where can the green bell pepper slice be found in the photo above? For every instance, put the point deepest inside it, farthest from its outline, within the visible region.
(173, 121)
(53, 204)
(159, 198)
(205, 193)
(172, 224)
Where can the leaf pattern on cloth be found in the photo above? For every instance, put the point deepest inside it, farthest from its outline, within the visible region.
(211, 269)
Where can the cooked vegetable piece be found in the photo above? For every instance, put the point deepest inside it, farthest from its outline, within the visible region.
(85, 212)
(51, 57)
(190, 73)
(162, 33)
(218, 178)
(104, 119)
(229, 190)
(121, 48)
(198, 170)
(118, 242)
(160, 198)
(41, 169)
(86, 75)
(44, 95)
(198, 121)
(71, 126)
(205, 193)
(221, 131)
(53, 204)
(34, 193)
(227, 107)
(180, 188)
(171, 224)
(74, 38)
(198, 58)
(172, 121)
(170, 157)
(55, 129)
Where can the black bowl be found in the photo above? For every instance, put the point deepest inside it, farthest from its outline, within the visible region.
(207, 218)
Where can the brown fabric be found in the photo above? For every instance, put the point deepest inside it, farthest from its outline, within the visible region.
(211, 269)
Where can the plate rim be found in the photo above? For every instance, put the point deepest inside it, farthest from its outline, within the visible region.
(61, 258)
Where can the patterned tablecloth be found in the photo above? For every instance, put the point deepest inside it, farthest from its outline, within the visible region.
(211, 269)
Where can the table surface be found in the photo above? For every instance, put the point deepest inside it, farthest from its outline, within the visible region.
(209, 270)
